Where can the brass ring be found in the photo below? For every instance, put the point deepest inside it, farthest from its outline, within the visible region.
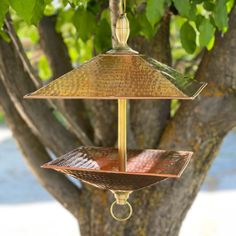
(121, 219)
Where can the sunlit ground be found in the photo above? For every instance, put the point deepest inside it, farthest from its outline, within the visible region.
(26, 209)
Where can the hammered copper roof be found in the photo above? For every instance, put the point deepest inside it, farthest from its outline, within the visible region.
(99, 167)
(117, 75)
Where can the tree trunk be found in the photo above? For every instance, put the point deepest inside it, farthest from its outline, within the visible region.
(199, 125)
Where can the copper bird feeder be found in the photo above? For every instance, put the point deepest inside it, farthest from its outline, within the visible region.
(122, 74)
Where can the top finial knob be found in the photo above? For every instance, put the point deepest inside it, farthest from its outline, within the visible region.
(122, 30)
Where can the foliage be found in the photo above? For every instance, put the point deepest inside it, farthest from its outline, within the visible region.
(85, 24)
(188, 36)
(154, 11)
(44, 69)
(90, 19)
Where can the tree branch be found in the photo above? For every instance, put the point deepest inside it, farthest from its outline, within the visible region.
(200, 125)
(37, 114)
(31, 75)
(36, 155)
(104, 121)
(15, 40)
(221, 81)
(148, 118)
(104, 113)
(56, 51)
(53, 46)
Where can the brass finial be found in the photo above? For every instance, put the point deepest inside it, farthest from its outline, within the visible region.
(122, 30)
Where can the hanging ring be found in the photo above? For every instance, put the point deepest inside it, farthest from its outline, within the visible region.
(121, 219)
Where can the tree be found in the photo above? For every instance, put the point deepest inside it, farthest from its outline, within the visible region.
(198, 125)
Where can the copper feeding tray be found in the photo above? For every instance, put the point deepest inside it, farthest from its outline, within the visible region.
(99, 167)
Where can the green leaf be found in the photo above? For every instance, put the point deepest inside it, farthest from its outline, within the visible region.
(211, 43)
(106, 15)
(155, 10)
(188, 37)
(30, 32)
(64, 16)
(102, 38)
(4, 5)
(95, 7)
(84, 50)
(206, 30)
(198, 1)
(47, 1)
(183, 7)
(135, 26)
(37, 12)
(220, 15)
(146, 28)
(199, 20)
(44, 69)
(30, 11)
(192, 12)
(186, 8)
(23, 8)
(208, 5)
(85, 23)
(75, 3)
(229, 5)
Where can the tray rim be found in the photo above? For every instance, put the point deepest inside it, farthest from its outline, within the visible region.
(188, 159)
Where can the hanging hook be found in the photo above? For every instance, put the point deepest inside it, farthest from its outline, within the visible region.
(122, 7)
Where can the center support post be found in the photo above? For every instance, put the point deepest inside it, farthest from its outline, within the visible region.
(122, 133)
(122, 196)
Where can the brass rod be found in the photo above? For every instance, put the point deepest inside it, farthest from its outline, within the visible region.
(122, 148)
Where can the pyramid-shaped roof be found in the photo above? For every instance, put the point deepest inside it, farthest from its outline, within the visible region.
(121, 75)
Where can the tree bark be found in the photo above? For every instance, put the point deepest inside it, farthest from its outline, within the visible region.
(149, 117)
(21, 53)
(37, 114)
(35, 155)
(56, 51)
(104, 112)
(200, 126)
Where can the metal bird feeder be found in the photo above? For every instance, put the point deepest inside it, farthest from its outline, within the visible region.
(122, 74)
